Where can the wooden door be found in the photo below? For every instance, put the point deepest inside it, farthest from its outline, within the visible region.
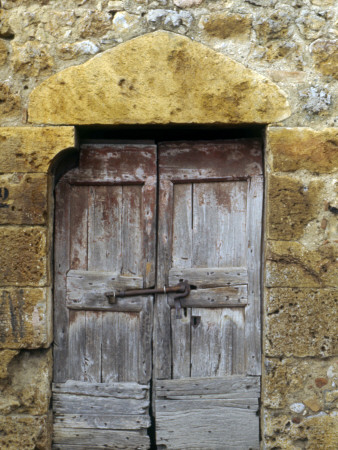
(104, 241)
(207, 364)
(201, 370)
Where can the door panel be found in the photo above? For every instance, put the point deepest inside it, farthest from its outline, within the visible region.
(205, 365)
(206, 236)
(102, 352)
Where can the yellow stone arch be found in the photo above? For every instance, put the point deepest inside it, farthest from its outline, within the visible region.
(158, 78)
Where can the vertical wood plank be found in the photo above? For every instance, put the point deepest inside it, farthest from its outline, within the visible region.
(162, 340)
(132, 242)
(149, 211)
(181, 352)
(253, 310)
(79, 260)
(182, 226)
(61, 255)
(145, 341)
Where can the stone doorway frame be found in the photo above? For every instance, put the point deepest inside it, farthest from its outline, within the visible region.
(178, 82)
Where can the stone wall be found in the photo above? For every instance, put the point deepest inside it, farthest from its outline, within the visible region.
(293, 43)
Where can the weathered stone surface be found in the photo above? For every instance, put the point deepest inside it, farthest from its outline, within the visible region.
(27, 387)
(187, 3)
(25, 318)
(6, 357)
(297, 322)
(325, 56)
(177, 81)
(23, 199)
(26, 149)
(291, 205)
(274, 26)
(289, 382)
(25, 432)
(23, 256)
(290, 264)
(293, 148)
(10, 103)
(316, 432)
(225, 25)
(3, 52)
(31, 58)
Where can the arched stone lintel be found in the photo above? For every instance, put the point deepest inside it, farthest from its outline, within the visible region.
(158, 78)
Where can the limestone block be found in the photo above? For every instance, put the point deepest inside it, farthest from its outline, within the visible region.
(301, 322)
(292, 149)
(10, 103)
(225, 25)
(291, 205)
(274, 26)
(6, 357)
(187, 3)
(3, 52)
(291, 264)
(32, 58)
(27, 149)
(290, 383)
(25, 432)
(94, 23)
(23, 199)
(28, 383)
(316, 432)
(325, 56)
(25, 318)
(177, 81)
(23, 256)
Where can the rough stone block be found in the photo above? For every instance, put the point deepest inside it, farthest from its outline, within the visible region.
(3, 52)
(170, 86)
(313, 433)
(6, 357)
(23, 256)
(297, 322)
(10, 103)
(23, 199)
(32, 58)
(291, 383)
(225, 25)
(291, 205)
(325, 56)
(290, 264)
(25, 318)
(292, 149)
(27, 387)
(27, 149)
(25, 432)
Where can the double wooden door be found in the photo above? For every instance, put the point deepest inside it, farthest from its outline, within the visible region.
(131, 375)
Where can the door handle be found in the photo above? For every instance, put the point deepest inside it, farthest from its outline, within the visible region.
(181, 289)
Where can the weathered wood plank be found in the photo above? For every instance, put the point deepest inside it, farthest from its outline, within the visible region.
(209, 277)
(221, 428)
(93, 358)
(182, 226)
(254, 256)
(61, 257)
(115, 439)
(149, 216)
(104, 421)
(82, 404)
(88, 288)
(132, 231)
(180, 331)
(145, 342)
(120, 337)
(179, 405)
(77, 345)
(236, 385)
(118, 390)
(162, 360)
(187, 160)
(222, 297)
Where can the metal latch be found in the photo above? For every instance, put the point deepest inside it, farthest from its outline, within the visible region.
(182, 289)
